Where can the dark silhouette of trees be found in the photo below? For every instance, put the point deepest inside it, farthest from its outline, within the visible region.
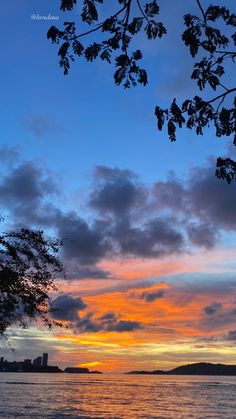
(28, 269)
(211, 36)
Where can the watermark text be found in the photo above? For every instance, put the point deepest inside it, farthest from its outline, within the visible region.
(37, 16)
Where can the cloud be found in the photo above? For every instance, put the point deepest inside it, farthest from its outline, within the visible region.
(25, 183)
(153, 295)
(212, 200)
(9, 154)
(231, 335)
(170, 194)
(82, 242)
(158, 237)
(66, 308)
(202, 235)
(116, 191)
(109, 316)
(23, 189)
(87, 272)
(218, 316)
(123, 326)
(87, 325)
(109, 322)
(211, 309)
(42, 124)
(129, 219)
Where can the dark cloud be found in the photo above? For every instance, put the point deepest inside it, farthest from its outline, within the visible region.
(109, 322)
(87, 272)
(153, 295)
(42, 124)
(87, 325)
(109, 316)
(212, 200)
(23, 190)
(202, 235)
(116, 191)
(156, 238)
(25, 183)
(123, 326)
(82, 242)
(170, 194)
(131, 220)
(66, 308)
(231, 335)
(212, 308)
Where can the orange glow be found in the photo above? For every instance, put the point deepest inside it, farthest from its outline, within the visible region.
(173, 325)
(90, 364)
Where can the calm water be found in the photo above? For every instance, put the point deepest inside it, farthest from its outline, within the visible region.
(116, 396)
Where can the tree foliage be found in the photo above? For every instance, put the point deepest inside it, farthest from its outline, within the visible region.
(28, 268)
(210, 35)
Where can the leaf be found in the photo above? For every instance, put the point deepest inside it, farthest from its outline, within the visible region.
(63, 49)
(142, 77)
(137, 55)
(106, 55)
(68, 4)
(89, 13)
(152, 9)
(135, 26)
(120, 75)
(54, 34)
(92, 51)
(154, 29)
(171, 130)
(191, 41)
(78, 48)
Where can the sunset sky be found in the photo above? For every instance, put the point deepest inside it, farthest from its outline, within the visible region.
(148, 231)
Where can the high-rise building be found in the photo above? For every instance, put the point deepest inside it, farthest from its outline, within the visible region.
(37, 362)
(45, 360)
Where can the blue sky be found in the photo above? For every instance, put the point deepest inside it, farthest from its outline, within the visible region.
(88, 119)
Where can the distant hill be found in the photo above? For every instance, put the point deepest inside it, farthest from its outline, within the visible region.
(200, 368)
(79, 370)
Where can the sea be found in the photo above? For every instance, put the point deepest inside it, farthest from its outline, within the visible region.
(55, 396)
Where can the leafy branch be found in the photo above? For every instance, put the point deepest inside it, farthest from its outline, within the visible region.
(201, 36)
(121, 27)
(198, 113)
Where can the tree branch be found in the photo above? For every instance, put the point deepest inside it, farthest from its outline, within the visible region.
(141, 10)
(128, 5)
(202, 10)
(223, 95)
(101, 24)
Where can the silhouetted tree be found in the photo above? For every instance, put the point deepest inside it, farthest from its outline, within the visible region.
(201, 36)
(28, 268)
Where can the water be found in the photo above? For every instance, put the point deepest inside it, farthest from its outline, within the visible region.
(106, 396)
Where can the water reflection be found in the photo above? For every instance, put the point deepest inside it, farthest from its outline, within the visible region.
(116, 396)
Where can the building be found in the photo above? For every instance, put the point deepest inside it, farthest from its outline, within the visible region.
(37, 362)
(45, 360)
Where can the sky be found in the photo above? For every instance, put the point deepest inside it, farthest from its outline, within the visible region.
(149, 232)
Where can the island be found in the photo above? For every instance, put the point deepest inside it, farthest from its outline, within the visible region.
(199, 368)
(80, 370)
